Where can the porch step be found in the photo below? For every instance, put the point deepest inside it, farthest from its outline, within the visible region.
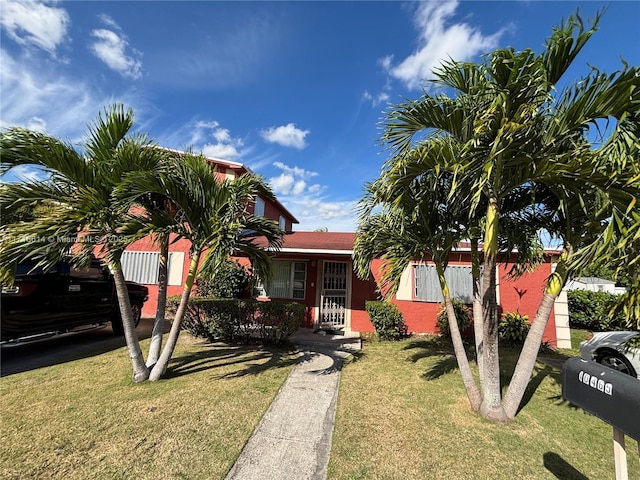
(333, 340)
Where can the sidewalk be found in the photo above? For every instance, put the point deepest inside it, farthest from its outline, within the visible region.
(293, 439)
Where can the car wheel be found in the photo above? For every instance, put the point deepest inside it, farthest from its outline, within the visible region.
(116, 318)
(616, 361)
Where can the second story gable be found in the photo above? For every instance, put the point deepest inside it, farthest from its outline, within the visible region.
(268, 208)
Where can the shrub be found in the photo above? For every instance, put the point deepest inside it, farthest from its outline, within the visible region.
(231, 320)
(386, 319)
(463, 315)
(590, 310)
(229, 281)
(513, 328)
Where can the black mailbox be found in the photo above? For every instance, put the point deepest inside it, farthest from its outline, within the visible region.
(606, 393)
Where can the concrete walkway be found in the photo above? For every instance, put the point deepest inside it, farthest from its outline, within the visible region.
(293, 439)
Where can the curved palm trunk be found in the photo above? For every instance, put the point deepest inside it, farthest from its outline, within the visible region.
(477, 308)
(461, 355)
(491, 395)
(158, 325)
(140, 370)
(161, 365)
(529, 354)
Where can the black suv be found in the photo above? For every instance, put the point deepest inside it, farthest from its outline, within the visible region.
(63, 298)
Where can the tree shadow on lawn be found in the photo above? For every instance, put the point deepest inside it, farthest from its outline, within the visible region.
(435, 347)
(250, 359)
(549, 364)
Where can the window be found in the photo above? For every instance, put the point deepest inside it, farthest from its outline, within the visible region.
(282, 222)
(258, 210)
(143, 267)
(427, 285)
(288, 280)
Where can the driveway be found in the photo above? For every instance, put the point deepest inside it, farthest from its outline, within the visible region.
(21, 357)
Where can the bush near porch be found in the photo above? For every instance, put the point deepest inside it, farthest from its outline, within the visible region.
(233, 320)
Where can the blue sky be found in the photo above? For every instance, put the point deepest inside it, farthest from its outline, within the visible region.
(293, 90)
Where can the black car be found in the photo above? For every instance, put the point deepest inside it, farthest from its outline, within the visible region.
(63, 298)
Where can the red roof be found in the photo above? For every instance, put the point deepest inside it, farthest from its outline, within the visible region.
(336, 243)
(318, 242)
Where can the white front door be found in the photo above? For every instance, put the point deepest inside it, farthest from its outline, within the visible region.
(333, 296)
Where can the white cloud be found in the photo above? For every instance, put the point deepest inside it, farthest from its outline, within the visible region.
(439, 40)
(308, 204)
(33, 23)
(39, 97)
(197, 136)
(282, 183)
(221, 151)
(286, 135)
(108, 21)
(315, 213)
(296, 171)
(377, 99)
(111, 48)
(292, 181)
(26, 173)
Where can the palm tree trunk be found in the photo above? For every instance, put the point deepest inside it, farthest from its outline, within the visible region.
(491, 395)
(158, 324)
(140, 370)
(161, 365)
(477, 307)
(458, 347)
(529, 354)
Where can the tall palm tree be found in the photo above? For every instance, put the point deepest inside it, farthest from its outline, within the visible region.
(414, 223)
(211, 213)
(83, 216)
(516, 139)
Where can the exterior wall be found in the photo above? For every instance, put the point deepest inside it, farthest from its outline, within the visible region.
(310, 288)
(361, 291)
(146, 245)
(523, 294)
(563, 332)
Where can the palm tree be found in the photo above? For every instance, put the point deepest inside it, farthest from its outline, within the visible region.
(515, 140)
(415, 223)
(211, 213)
(91, 200)
(83, 216)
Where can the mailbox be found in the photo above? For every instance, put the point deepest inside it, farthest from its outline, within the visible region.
(606, 393)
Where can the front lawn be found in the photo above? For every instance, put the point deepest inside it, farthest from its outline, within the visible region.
(403, 414)
(85, 419)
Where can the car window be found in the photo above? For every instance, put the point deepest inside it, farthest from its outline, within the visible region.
(27, 268)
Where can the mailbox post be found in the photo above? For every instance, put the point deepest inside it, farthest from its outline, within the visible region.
(609, 395)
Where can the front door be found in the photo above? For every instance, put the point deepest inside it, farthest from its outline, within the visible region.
(333, 301)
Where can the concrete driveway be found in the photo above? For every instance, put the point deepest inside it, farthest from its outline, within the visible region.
(21, 357)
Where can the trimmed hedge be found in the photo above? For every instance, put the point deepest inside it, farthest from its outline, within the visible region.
(386, 319)
(233, 320)
(590, 311)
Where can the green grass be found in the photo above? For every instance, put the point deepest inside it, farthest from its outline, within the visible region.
(403, 414)
(85, 419)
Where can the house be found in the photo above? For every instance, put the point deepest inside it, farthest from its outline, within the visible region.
(594, 284)
(141, 259)
(316, 269)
